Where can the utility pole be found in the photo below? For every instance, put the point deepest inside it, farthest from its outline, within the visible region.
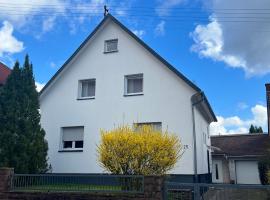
(106, 10)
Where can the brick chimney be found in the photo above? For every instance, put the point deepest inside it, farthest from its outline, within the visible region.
(267, 85)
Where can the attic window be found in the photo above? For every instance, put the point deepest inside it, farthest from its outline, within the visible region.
(111, 46)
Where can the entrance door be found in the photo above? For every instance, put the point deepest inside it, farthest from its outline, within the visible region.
(217, 173)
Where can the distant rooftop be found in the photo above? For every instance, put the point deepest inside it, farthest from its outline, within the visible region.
(4, 73)
(240, 144)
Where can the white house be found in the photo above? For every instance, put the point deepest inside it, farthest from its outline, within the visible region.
(114, 78)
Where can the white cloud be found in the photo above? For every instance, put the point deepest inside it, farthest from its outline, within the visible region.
(139, 33)
(242, 106)
(52, 64)
(165, 6)
(39, 17)
(48, 24)
(244, 45)
(209, 43)
(160, 28)
(236, 125)
(21, 12)
(39, 86)
(8, 43)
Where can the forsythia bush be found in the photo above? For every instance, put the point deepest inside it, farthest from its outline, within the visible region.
(143, 151)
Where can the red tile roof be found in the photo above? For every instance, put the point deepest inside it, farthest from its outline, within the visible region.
(4, 72)
(240, 145)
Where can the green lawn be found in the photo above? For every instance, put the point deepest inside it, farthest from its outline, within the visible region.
(69, 187)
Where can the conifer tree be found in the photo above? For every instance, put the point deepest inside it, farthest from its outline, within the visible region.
(22, 143)
(254, 129)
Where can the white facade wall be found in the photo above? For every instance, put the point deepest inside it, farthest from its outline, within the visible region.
(202, 128)
(166, 99)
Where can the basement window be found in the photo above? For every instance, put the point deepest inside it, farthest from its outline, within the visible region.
(72, 138)
(134, 84)
(156, 125)
(87, 89)
(111, 46)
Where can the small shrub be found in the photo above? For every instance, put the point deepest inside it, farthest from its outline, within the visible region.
(143, 151)
(263, 172)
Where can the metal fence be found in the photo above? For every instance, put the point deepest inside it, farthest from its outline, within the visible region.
(201, 191)
(78, 183)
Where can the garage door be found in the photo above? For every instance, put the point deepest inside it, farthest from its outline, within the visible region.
(247, 172)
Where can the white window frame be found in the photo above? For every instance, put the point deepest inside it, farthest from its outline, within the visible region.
(105, 45)
(126, 84)
(61, 145)
(80, 88)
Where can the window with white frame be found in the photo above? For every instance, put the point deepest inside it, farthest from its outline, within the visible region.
(72, 138)
(134, 84)
(87, 88)
(111, 46)
(156, 125)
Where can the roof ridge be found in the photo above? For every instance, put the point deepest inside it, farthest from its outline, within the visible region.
(238, 135)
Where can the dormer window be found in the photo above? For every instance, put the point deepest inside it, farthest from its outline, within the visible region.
(111, 46)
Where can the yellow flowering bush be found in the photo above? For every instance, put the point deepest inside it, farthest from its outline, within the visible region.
(143, 150)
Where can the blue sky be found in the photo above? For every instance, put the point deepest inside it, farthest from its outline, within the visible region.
(222, 46)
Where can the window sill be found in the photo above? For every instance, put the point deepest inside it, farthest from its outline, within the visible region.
(74, 150)
(86, 98)
(105, 52)
(133, 94)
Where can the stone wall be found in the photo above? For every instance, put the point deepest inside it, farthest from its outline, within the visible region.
(153, 190)
(5, 179)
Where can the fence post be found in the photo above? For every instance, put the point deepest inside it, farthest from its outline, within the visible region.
(153, 187)
(196, 191)
(6, 179)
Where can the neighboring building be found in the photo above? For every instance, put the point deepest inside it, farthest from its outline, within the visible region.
(235, 157)
(114, 78)
(4, 73)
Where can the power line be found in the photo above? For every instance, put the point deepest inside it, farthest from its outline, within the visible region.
(66, 5)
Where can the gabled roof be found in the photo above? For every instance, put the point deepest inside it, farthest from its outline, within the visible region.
(4, 73)
(155, 54)
(240, 145)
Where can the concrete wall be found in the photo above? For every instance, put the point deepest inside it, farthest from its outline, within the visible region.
(166, 99)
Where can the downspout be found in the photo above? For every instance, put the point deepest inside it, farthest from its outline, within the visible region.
(194, 132)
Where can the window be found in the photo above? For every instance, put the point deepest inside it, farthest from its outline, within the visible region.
(217, 174)
(111, 46)
(134, 84)
(72, 138)
(87, 88)
(156, 125)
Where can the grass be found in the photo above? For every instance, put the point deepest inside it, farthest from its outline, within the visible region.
(70, 188)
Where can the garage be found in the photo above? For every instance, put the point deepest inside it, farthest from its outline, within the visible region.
(247, 172)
